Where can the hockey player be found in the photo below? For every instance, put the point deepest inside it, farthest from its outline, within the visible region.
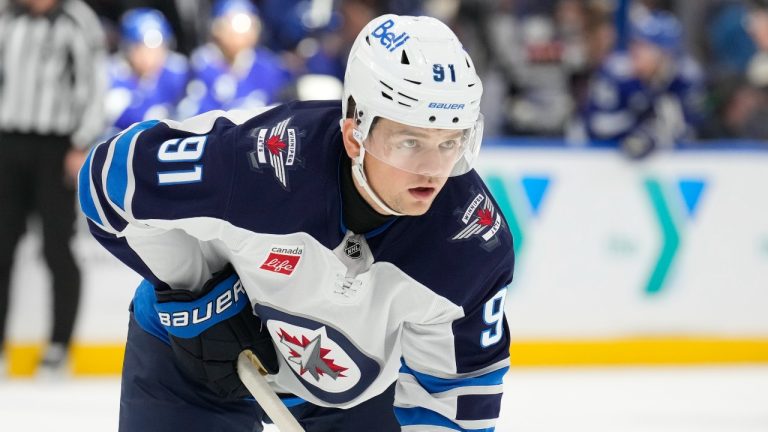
(648, 96)
(148, 79)
(352, 248)
(233, 71)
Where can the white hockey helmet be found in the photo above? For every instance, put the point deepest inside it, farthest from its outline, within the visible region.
(414, 70)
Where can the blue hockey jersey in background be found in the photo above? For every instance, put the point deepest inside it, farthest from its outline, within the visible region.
(419, 301)
(621, 105)
(254, 80)
(133, 99)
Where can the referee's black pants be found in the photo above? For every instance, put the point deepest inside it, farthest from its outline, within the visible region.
(32, 181)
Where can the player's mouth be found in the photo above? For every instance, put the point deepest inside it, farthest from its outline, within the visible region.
(422, 193)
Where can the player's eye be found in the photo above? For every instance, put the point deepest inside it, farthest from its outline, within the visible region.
(449, 145)
(410, 144)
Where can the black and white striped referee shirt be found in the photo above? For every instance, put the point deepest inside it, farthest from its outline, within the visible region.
(52, 72)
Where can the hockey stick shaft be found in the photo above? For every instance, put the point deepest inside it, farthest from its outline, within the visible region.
(248, 367)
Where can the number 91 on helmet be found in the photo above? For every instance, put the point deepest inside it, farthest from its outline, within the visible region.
(414, 72)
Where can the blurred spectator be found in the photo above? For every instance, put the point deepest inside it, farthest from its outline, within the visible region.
(590, 35)
(189, 19)
(752, 124)
(743, 103)
(744, 113)
(541, 102)
(728, 40)
(650, 96)
(289, 21)
(326, 54)
(757, 69)
(51, 91)
(519, 53)
(534, 56)
(147, 79)
(233, 71)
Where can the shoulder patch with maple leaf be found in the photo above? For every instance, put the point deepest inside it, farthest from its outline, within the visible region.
(277, 150)
(481, 220)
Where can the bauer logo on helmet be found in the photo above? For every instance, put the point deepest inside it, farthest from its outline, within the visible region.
(448, 106)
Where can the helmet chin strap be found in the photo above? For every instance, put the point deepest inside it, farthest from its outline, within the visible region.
(359, 174)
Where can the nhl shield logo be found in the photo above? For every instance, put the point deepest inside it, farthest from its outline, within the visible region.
(277, 149)
(352, 248)
(481, 220)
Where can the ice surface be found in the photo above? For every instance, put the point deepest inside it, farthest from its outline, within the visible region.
(728, 399)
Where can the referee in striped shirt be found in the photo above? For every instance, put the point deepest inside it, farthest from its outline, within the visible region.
(52, 84)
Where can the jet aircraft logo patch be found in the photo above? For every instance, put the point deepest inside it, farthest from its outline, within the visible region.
(480, 219)
(315, 357)
(276, 149)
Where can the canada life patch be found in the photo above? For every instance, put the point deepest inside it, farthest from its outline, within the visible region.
(276, 149)
(481, 220)
(283, 259)
(314, 356)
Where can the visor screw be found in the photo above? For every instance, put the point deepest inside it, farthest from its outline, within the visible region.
(359, 113)
(432, 118)
(358, 122)
(455, 119)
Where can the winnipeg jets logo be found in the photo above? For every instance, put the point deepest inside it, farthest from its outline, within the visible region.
(311, 356)
(319, 357)
(316, 358)
(276, 148)
(480, 219)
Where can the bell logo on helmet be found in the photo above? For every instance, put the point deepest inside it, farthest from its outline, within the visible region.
(385, 82)
(389, 40)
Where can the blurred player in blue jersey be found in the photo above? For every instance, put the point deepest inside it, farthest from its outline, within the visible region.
(148, 79)
(650, 95)
(234, 71)
(350, 246)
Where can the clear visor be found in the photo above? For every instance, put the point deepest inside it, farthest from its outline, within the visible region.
(423, 151)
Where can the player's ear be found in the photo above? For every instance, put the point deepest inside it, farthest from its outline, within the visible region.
(351, 145)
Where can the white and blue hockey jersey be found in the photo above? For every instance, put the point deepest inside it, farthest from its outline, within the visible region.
(419, 301)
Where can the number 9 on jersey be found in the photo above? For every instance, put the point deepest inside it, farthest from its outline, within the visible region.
(493, 315)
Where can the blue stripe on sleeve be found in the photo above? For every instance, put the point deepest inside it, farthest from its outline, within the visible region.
(435, 384)
(422, 416)
(98, 159)
(117, 176)
(478, 406)
(84, 191)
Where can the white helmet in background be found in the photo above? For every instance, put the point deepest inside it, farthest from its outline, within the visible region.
(413, 70)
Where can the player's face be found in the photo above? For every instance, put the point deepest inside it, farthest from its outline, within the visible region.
(145, 60)
(427, 152)
(647, 60)
(40, 6)
(236, 32)
(408, 166)
(758, 28)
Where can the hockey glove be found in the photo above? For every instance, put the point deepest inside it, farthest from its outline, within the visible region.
(209, 329)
